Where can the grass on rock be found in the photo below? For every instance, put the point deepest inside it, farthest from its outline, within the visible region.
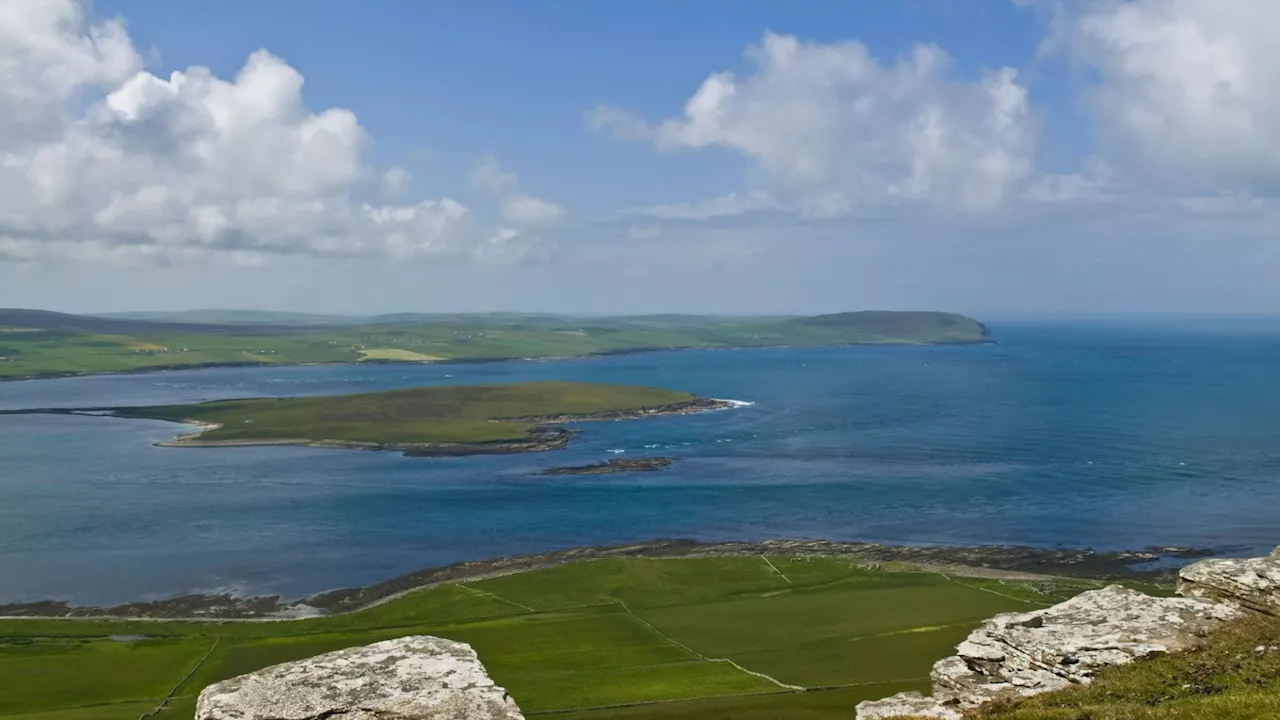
(1230, 678)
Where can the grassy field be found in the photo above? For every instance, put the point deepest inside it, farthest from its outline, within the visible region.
(740, 637)
(449, 414)
(41, 344)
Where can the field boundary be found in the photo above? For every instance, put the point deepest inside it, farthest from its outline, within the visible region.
(781, 574)
(700, 656)
(491, 596)
(164, 701)
(994, 592)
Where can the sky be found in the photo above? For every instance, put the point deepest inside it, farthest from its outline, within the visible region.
(994, 157)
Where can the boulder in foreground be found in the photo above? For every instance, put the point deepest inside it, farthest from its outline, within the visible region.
(1251, 582)
(412, 678)
(1020, 654)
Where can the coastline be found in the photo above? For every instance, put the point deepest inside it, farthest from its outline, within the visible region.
(159, 369)
(986, 561)
(547, 436)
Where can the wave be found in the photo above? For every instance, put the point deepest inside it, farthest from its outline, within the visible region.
(735, 403)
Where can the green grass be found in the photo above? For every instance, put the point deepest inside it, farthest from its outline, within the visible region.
(1227, 679)
(36, 344)
(446, 414)
(43, 673)
(642, 638)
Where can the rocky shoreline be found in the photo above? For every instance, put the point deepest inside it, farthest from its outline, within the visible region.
(976, 561)
(542, 439)
(617, 465)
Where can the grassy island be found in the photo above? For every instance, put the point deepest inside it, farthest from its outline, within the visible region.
(45, 344)
(447, 420)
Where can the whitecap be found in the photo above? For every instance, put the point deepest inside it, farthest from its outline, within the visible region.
(735, 403)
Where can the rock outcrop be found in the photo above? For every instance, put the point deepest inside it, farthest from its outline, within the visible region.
(1020, 654)
(412, 678)
(907, 704)
(1253, 583)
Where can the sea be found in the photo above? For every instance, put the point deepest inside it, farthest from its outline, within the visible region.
(1107, 435)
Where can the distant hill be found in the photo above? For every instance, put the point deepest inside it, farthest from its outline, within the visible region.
(236, 317)
(39, 343)
(900, 324)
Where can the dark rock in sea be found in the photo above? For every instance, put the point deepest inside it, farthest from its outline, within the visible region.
(613, 466)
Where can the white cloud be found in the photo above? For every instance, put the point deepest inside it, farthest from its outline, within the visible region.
(394, 182)
(835, 130)
(1095, 182)
(645, 232)
(102, 160)
(517, 208)
(1187, 84)
(623, 124)
(489, 176)
(530, 211)
(723, 206)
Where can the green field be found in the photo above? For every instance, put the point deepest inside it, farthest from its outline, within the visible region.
(730, 637)
(44, 344)
(467, 414)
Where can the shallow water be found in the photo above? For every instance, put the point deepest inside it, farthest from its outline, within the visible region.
(1112, 436)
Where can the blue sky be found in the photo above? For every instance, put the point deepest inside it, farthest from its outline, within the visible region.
(993, 157)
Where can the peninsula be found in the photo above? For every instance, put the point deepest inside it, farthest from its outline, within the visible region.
(40, 344)
(422, 421)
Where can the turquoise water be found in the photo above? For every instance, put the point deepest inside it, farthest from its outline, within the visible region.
(1122, 435)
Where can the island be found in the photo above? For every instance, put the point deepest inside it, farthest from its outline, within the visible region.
(617, 465)
(422, 421)
(41, 344)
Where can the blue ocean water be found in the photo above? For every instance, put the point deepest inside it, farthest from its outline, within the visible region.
(1118, 435)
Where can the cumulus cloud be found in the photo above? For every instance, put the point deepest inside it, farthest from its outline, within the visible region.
(834, 130)
(394, 182)
(516, 207)
(522, 209)
(1186, 84)
(101, 159)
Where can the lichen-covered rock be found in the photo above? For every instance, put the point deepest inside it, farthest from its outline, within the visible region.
(1020, 654)
(907, 704)
(1251, 582)
(414, 678)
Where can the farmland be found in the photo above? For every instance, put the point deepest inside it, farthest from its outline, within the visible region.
(45, 344)
(711, 637)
